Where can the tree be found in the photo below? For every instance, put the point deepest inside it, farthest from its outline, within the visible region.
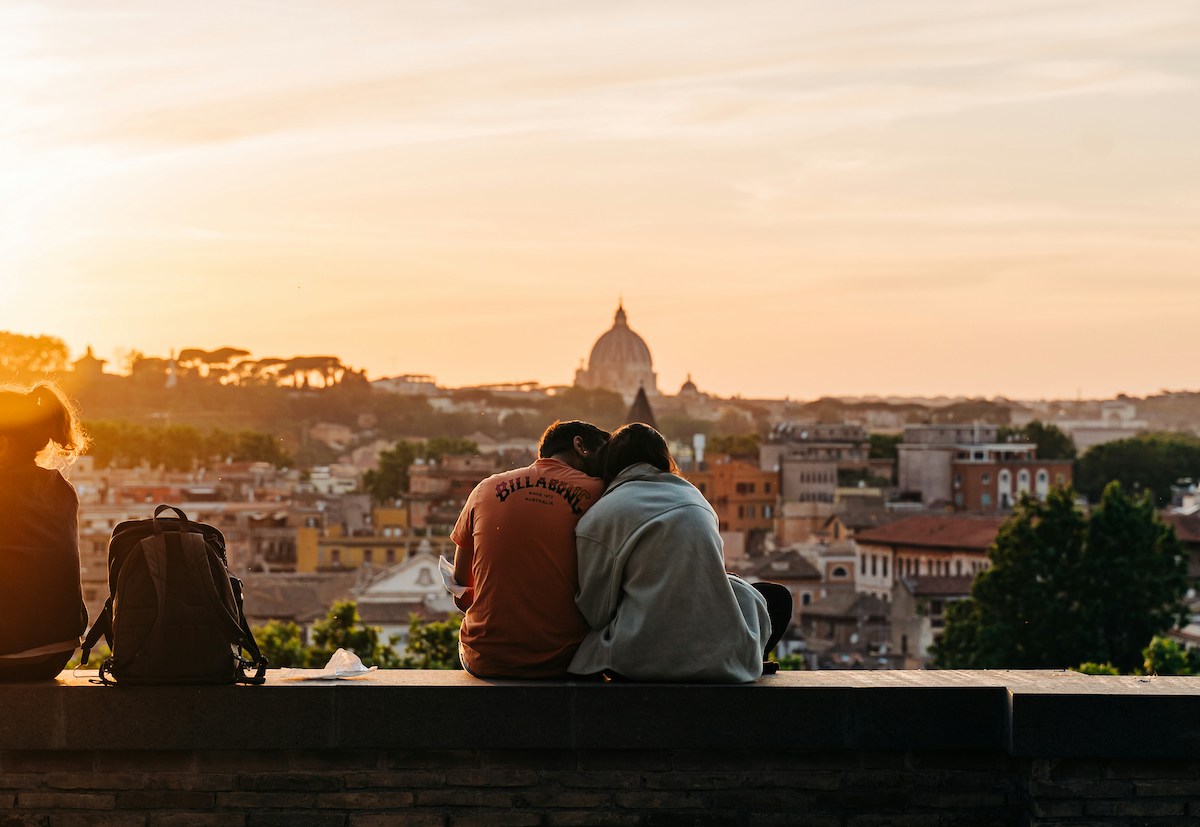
(442, 446)
(342, 628)
(390, 479)
(884, 446)
(1051, 441)
(1066, 588)
(28, 358)
(281, 645)
(1147, 462)
(738, 446)
(433, 645)
(1166, 657)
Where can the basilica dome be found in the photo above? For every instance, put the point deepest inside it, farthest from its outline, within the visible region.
(620, 347)
(620, 361)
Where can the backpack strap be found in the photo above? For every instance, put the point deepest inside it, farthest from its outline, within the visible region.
(154, 549)
(248, 642)
(102, 626)
(205, 569)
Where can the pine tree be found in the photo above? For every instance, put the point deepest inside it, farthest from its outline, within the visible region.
(1065, 588)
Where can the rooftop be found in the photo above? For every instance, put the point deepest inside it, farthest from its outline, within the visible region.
(938, 531)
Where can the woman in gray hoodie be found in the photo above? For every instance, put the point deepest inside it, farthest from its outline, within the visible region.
(652, 579)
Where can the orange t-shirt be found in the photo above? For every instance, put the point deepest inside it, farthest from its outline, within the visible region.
(521, 527)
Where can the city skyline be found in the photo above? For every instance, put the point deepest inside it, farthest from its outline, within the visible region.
(791, 199)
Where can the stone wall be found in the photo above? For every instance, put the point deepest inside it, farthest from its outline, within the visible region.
(422, 748)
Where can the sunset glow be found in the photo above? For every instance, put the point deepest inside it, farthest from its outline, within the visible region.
(791, 198)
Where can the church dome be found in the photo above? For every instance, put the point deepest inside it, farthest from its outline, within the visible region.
(620, 347)
(619, 361)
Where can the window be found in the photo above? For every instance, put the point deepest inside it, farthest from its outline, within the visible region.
(985, 499)
(985, 478)
(805, 599)
(839, 571)
(335, 556)
(368, 555)
(750, 511)
(390, 554)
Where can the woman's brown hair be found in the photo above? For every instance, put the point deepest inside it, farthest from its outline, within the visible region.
(40, 423)
(634, 443)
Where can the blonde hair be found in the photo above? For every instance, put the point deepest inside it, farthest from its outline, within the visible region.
(41, 425)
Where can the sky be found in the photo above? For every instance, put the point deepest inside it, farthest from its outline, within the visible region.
(790, 197)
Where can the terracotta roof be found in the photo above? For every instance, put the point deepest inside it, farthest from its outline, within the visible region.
(296, 597)
(376, 612)
(1187, 526)
(847, 604)
(935, 531)
(857, 518)
(933, 586)
(780, 565)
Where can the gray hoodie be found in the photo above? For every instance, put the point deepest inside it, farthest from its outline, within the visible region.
(653, 587)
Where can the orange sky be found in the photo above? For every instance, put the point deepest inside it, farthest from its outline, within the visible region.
(793, 198)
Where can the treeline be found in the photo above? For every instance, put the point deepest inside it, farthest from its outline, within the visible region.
(1145, 463)
(123, 444)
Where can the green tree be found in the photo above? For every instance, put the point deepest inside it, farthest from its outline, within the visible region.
(1166, 657)
(342, 628)
(433, 645)
(1051, 441)
(884, 446)
(1064, 588)
(1147, 462)
(390, 479)
(1090, 668)
(281, 645)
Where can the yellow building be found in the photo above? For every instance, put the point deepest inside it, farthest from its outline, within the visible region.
(389, 541)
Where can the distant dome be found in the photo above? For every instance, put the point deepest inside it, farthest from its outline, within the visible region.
(689, 386)
(619, 361)
(620, 347)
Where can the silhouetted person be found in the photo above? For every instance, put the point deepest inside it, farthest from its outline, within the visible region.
(42, 614)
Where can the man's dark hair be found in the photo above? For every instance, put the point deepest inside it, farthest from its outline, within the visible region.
(634, 443)
(560, 437)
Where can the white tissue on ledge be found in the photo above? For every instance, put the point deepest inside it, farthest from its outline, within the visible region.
(343, 664)
(447, 571)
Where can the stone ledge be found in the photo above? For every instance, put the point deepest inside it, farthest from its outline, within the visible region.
(1024, 713)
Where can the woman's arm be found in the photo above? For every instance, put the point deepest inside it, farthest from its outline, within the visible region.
(599, 582)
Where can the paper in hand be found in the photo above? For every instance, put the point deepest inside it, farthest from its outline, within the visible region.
(446, 569)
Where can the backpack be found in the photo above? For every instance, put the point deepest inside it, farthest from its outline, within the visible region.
(174, 612)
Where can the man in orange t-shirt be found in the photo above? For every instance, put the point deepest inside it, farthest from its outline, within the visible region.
(516, 556)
